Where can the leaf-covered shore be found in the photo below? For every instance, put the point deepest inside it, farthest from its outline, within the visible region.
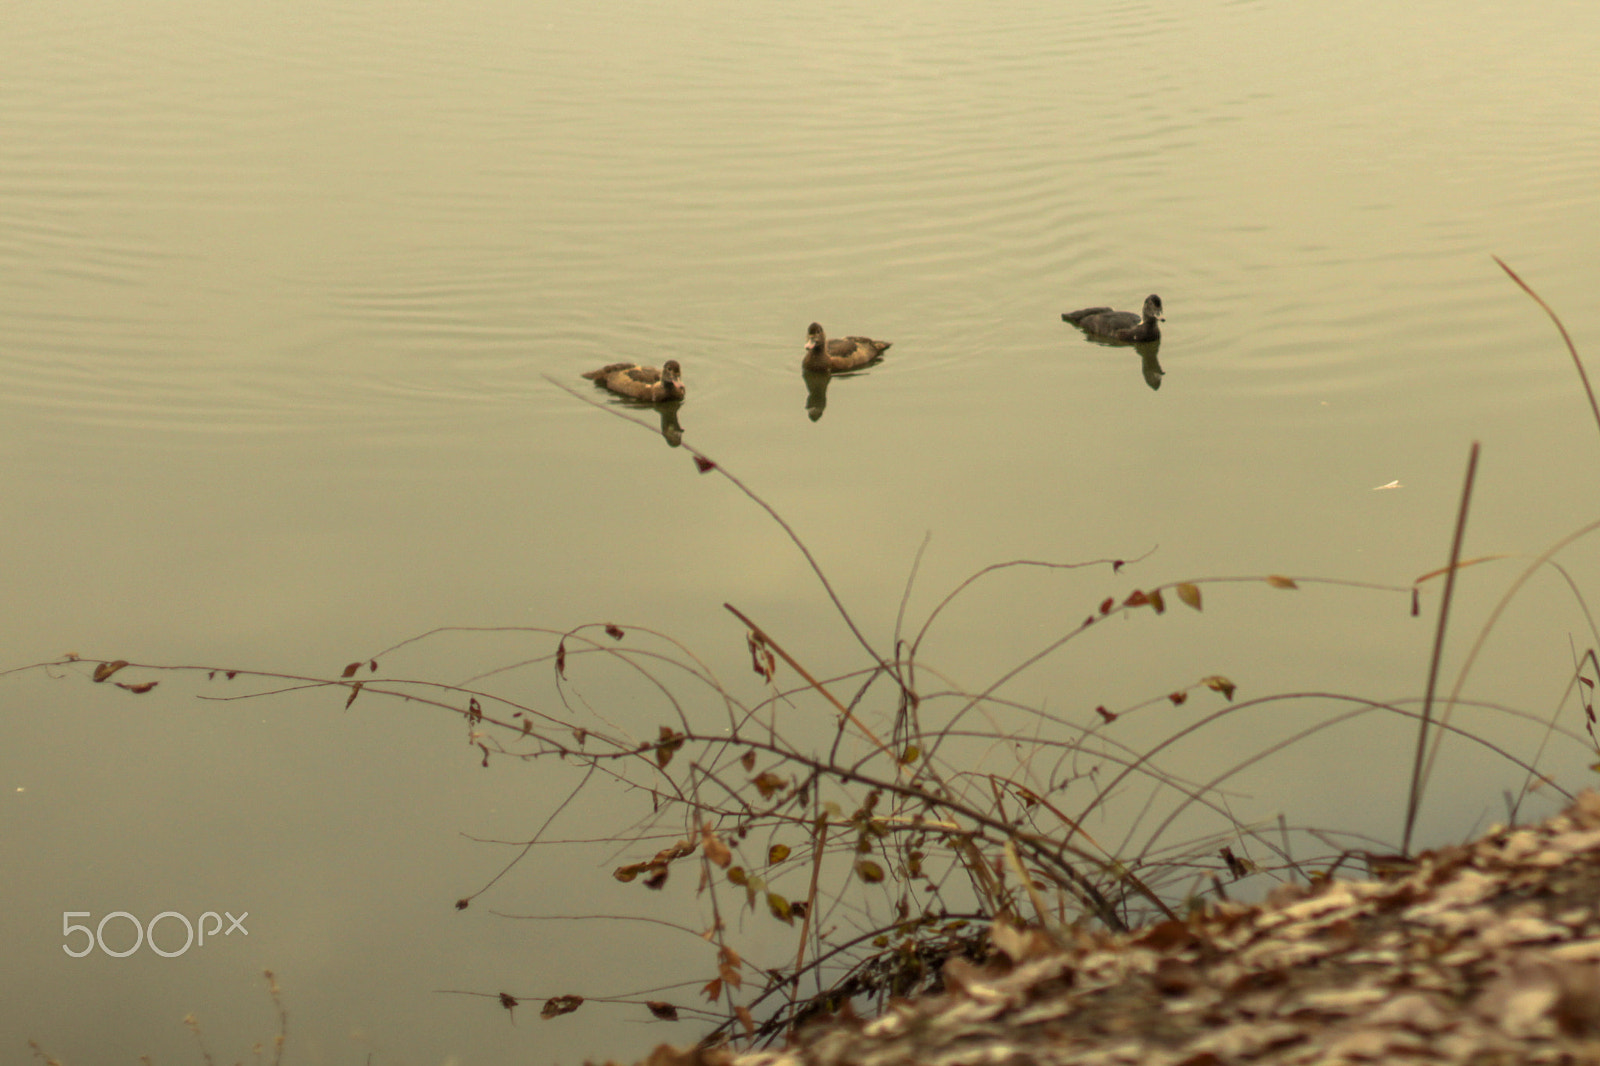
(1482, 953)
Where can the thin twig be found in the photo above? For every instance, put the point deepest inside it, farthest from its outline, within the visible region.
(1582, 374)
(1417, 774)
(705, 464)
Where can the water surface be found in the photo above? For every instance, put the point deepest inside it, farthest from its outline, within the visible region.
(281, 287)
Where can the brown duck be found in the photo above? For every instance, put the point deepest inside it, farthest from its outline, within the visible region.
(642, 382)
(1120, 325)
(848, 353)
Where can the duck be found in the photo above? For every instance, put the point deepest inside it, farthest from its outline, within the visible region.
(1120, 325)
(848, 353)
(642, 382)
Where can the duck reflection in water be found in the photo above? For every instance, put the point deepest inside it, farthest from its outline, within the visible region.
(1149, 364)
(671, 429)
(816, 392)
(824, 358)
(1118, 328)
(663, 389)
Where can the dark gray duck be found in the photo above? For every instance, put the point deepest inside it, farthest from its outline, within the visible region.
(642, 382)
(1120, 325)
(845, 353)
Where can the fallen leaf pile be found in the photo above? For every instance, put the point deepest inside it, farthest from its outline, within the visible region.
(1483, 953)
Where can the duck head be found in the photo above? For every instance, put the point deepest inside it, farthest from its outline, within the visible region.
(816, 348)
(672, 378)
(1152, 308)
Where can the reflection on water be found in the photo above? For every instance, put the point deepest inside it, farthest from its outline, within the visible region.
(671, 428)
(817, 383)
(1149, 356)
(1149, 364)
(816, 392)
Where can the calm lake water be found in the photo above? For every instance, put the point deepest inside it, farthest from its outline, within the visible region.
(282, 287)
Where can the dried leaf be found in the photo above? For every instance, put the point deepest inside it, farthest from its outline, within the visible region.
(1157, 602)
(762, 660)
(1586, 681)
(634, 869)
(705, 466)
(614, 631)
(350, 671)
(746, 1019)
(463, 903)
(769, 784)
(714, 848)
(667, 745)
(485, 750)
(1179, 698)
(1117, 565)
(777, 853)
(910, 755)
(780, 908)
(728, 963)
(1278, 581)
(1189, 593)
(372, 664)
(105, 670)
(737, 876)
(355, 690)
(1218, 683)
(508, 1001)
(656, 879)
(138, 688)
(663, 1010)
(1103, 713)
(1106, 605)
(748, 760)
(561, 659)
(869, 871)
(474, 711)
(556, 1006)
(1136, 598)
(677, 851)
(712, 990)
